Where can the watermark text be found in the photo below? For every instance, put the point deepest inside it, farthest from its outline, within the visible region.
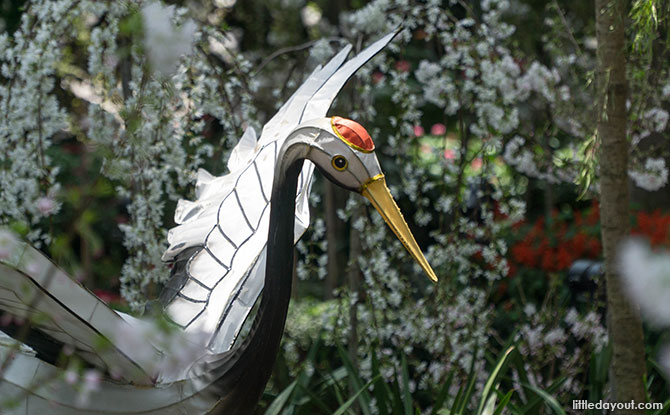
(611, 406)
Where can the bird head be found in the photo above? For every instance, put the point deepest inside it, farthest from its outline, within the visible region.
(344, 152)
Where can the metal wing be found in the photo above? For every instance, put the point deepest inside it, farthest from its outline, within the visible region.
(47, 310)
(215, 288)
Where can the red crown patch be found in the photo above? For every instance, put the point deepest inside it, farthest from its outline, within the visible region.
(353, 134)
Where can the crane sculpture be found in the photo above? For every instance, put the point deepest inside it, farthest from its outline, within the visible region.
(232, 252)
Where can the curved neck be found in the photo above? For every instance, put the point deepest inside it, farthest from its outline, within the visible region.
(248, 369)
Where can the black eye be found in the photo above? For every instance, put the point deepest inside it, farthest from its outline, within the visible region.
(339, 162)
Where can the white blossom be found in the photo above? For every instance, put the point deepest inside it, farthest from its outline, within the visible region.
(310, 15)
(321, 50)
(371, 18)
(165, 42)
(427, 70)
(538, 78)
(28, 61)
(529, 309)
(666, 91)
(225, 3)
(657, 119)
(8, 243)
(225, 45)
(653, 177)
(646, 276)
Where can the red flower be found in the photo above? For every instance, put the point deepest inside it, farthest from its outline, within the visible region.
(403, 66)
(107, 296)
(502, 288)
(377, 77)
(578, 244)
(594, 215)
(438, 129)
(418, 131)
(594, 247)
(563, 258)
(477, 163)
(477, 256)
(524, 254)
(654, 226)
(547, 246)
(548, 260)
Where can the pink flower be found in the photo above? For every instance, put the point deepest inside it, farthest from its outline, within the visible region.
(438, 129)
(71, 377)
(418, 131)
(90, 383)
(7, 243)
(46, 205)
(402, 66)
(477, 163)
(449, 154)
(377, 77)
(92, 380)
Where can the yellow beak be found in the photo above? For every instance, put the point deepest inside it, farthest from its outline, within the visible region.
(381, 198)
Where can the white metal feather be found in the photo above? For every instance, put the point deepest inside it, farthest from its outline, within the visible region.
(229, 219)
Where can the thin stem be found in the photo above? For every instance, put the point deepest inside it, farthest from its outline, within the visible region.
(290, 49)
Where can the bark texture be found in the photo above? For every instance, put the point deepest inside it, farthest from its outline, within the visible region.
(354, 278)
(335, 232)
(627, 368)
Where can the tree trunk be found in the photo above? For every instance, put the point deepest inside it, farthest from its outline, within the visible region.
(334, 234)
(627, 368)
(354, 278)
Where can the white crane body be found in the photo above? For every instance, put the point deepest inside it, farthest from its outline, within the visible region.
(227, 228)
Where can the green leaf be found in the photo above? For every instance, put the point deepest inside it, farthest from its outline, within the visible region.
(551, 402)
(490, 405)
(355, 380)
(444, 393)
(537, 399)
(465, 397)
(342, 409)
(488, 387)
(281, 399)
(407, 396)
(503, 402)
(381, 390)
(314, 399)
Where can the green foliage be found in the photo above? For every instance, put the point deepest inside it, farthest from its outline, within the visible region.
(311, 394)
(646, 16)
(587, 168)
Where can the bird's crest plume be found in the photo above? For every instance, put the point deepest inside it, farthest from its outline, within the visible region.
(353, 134)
